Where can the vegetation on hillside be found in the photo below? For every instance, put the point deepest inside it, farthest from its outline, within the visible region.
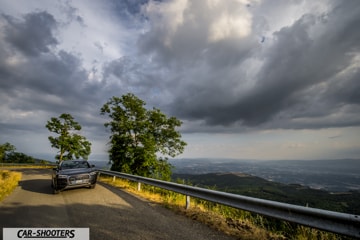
(9, 155)
(347, 202)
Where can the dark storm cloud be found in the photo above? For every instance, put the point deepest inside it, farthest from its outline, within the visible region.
(128, 7)
(138, 76)
(33, 35)
(299, 76)
(31, 72)
(309, 55)
(42, 79)
(219, 66)
(58, 75)
(188, 40)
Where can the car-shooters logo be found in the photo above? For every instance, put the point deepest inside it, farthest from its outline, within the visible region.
(46, 233)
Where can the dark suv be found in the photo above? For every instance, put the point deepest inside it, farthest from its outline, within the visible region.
(73, 174)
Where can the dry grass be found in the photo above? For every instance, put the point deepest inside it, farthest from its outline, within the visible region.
(242, 229)
(8, 181)
(26, 166)
(238, 223)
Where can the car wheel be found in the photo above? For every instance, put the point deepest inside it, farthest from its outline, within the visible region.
(55, 189)
(92, 186)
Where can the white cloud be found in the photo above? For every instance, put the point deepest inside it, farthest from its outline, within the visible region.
(229, 21)
(168, 17)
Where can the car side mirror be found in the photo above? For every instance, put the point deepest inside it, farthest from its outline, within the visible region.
(92, 165)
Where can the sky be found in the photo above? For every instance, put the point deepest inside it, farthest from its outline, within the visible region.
(249, 79)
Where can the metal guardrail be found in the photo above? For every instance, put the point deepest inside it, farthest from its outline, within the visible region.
(340, 223)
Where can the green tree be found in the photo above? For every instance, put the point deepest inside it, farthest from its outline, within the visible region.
(141, 139)
(5, 149)
(70, 144)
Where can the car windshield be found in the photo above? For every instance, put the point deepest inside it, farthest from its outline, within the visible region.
(74, 164)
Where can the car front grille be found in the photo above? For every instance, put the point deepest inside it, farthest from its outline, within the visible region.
(79, 177)
(83, 179)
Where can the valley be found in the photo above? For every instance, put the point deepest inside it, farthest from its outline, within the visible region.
(333, 185)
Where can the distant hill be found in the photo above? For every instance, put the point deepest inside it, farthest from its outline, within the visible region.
(330, 175)
(244, 184)
(251, 186)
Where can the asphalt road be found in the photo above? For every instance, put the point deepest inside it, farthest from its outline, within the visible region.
(109, 212)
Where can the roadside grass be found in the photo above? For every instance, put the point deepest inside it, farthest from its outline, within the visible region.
(8, 181)
(24, 166)
(238, 223)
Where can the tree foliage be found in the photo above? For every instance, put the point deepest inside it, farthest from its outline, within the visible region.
(6, 149)
(70, 144)
(141, 139)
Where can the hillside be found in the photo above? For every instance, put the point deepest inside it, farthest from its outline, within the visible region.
(243, 184)
(340, 175)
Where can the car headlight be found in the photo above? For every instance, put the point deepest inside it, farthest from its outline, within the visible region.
(62, 176)
(93, 173)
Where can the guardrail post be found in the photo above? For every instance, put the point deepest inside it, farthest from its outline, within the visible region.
(139, 186)
(114, 178)
(187, 201)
